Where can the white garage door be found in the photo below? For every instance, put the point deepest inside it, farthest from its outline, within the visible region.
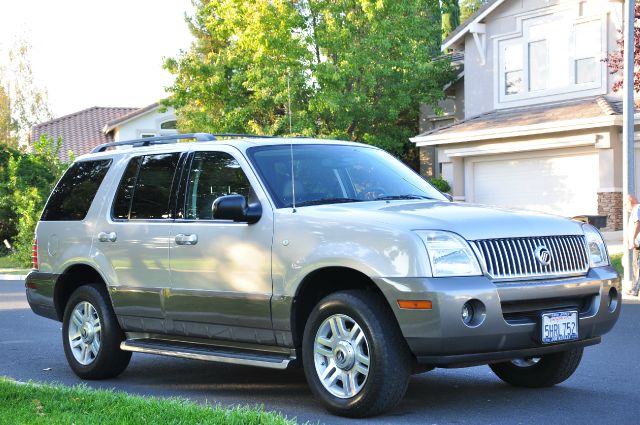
(564, 184)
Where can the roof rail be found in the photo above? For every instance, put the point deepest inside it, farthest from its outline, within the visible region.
(173, 138)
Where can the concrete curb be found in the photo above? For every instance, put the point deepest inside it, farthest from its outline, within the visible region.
(13, 276)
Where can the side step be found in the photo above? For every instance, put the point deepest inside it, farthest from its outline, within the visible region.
(208, 353)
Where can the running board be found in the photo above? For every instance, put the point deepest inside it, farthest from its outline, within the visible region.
(207, 353)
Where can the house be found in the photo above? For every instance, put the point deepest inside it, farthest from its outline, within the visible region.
(149, 121)
(540, 127)
(82, 131)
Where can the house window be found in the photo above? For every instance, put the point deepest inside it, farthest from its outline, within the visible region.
(168, 125)
(513, 69)
(587, 51)
(553, 57)
(145, 135)
(538, 65)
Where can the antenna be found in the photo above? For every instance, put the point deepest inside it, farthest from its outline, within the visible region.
(289, 96)
(293, 180)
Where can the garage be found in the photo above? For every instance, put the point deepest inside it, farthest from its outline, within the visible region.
(563, 182)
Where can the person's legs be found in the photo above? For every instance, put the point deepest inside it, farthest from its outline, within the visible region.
(635, 288)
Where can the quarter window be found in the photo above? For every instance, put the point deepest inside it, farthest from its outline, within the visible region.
(74, 193)
(212, 175)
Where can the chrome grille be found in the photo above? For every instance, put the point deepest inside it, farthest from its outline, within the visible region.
(515, 258)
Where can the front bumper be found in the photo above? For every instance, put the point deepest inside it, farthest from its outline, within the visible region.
(510, 327)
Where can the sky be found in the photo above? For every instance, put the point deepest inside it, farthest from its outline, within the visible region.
(97, 53)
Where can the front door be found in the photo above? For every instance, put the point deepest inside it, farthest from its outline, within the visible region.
(220, 270)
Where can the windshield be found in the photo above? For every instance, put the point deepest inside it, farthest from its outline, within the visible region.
(326, 174)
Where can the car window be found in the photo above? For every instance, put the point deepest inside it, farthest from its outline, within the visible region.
(212, 175)
(145, 188)
(124, 195)
(74, 193)
(336, 173)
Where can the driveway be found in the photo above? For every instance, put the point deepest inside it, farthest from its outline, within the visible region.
(605, 389)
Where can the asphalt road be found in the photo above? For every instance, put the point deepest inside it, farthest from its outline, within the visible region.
(605, 389)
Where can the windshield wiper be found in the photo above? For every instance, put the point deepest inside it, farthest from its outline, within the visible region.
(326, 201)
(393, 197)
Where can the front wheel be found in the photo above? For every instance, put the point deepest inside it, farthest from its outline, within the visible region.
(355, 358)
(91, 335)
(539, 372)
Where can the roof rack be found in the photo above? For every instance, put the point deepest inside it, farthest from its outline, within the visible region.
(173, 138)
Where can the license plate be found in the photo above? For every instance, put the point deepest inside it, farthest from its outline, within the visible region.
(559, 326)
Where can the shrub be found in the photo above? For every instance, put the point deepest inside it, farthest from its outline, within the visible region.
(30, 178)
(441, 184)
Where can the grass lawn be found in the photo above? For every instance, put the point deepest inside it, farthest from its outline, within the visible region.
(616, 261)
(46, 404)
(9, 263)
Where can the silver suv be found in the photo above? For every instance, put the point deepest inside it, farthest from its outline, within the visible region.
(269, 252)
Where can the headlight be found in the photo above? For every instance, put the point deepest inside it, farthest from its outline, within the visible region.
(596, 249)
(450, 255)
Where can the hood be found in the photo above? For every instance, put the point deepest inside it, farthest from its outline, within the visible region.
(470, 221)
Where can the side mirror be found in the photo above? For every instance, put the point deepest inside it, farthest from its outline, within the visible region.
(235, 207)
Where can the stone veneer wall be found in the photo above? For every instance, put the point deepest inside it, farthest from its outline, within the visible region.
(428, 161)
(610, 204)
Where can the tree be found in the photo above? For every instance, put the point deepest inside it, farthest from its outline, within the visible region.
(450, 16)
(356, 69)
(615, 60)
(26, 102)
(29, 178)
(6, 122)
(469, 7)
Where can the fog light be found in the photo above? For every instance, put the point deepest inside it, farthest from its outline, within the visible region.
(613, 300)
(467, 313)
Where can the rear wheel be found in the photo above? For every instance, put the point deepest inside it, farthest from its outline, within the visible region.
(91, 335)
(355, 358)
(538, 372)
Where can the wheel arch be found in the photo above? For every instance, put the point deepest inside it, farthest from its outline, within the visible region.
(71, 279)
(322, 282)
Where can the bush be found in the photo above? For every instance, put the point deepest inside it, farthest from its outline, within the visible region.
(28, 180)
(441, 184)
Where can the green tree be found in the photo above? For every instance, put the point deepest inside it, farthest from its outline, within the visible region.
(356, 69)
(30, 179)
(7, 128)
(450, 16)
(26, 103)
(469, 7)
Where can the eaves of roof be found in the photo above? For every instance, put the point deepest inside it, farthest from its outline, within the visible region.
(462, 29)
(111, 125)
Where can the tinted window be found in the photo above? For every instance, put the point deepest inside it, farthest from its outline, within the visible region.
(122, 202)
(153, 187)
(213, 174)
(72, 197)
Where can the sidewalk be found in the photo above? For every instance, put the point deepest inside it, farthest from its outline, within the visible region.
(614, 242)
(13, 274)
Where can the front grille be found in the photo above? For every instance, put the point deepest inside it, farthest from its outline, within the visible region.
(515, 258)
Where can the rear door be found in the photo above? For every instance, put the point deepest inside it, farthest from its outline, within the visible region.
(220, 270)
(134, 239)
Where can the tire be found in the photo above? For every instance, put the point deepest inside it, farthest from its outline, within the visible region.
(540, 372)
(352, 389)
(92, 337)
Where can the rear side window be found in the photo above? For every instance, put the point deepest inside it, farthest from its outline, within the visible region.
(74, 193)
(145, 189)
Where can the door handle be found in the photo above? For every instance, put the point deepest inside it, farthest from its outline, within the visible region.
(107, 236)
(190, 239)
